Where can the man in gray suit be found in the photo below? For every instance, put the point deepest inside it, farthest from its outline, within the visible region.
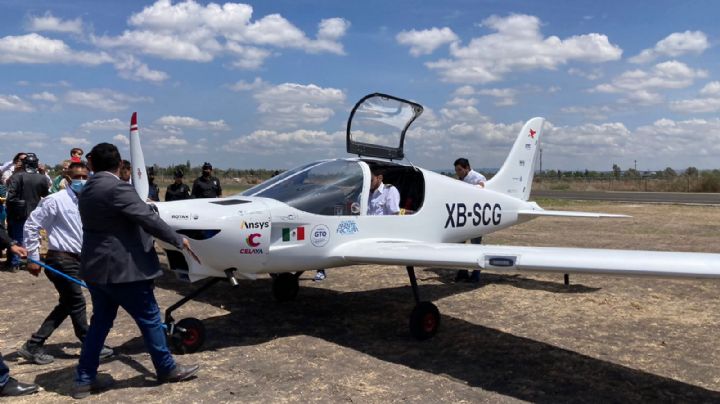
(119, 264)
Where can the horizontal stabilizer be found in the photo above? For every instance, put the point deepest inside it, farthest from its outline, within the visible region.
(540, 259)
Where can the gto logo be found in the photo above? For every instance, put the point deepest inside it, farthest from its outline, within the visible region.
(255, 225)
(459, 215)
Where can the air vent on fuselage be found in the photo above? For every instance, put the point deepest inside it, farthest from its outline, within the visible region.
(228, 202)
(199, 234)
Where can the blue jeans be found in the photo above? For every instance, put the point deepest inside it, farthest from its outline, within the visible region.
(4, 373)
(16, 233)
(138, 300)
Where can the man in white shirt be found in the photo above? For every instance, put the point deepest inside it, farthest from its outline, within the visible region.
(384, 198)
(58, 214)
(470, 176)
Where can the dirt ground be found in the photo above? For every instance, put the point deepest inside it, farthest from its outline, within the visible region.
(512, 337)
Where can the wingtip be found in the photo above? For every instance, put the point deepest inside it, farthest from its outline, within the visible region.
(133, 120)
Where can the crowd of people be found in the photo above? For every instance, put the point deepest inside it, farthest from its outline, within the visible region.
(118, 267)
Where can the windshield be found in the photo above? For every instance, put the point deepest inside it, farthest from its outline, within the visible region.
(326, 188)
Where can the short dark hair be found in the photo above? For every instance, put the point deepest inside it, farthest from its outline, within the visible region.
(76, 149)
(77, 164)
(206, 165)
(105, 157)
(378, 171)
(462, 162)
(126, 165)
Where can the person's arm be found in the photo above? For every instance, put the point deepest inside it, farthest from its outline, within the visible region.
(6, 241)
(219, 193)
(40, 218)
(12, 188)
(195, 189)
(392, 203)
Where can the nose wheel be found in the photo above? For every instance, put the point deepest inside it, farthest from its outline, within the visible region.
(188, 336)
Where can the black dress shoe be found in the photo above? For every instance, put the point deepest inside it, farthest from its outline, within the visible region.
(16, 388)
(81, 391)
(462, 275)
(179, 374)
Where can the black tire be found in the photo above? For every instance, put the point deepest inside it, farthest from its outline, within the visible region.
(424, 321)
(189, 340)
(285, 287)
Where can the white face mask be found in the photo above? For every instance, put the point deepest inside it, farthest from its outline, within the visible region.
(77, 185)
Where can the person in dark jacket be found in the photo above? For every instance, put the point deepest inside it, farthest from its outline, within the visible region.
(119, 264)
(206, 186)
(8, 385)
(25, 189)
(153, 189)
(177, 191)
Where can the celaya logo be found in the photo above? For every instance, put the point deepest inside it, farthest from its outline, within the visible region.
(254, 225)
(250, 240)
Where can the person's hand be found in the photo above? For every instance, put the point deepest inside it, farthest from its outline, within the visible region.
(34, 268)
(186, 247)
(19, 250)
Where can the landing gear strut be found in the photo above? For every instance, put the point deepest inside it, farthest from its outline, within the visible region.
(425, 317)
(285, 286)
(188, 334)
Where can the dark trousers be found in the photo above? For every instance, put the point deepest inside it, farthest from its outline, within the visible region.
(16, 233)
(138, 300)
(4, 373)
(70, 303)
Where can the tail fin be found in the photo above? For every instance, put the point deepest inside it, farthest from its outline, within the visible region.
(139, 174)
(516, 174)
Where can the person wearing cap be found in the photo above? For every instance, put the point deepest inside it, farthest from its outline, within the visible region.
(153, 189)
(178, 190)
(206, 186)
(25, 189)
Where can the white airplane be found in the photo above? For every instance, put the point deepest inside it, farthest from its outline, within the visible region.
(314, 217)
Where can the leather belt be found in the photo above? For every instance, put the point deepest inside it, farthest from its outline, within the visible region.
(54, 253)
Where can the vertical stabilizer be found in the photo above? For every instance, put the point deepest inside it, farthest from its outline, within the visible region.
(139, 173)
(516, 174)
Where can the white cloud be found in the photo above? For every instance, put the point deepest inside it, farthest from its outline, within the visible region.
(50, 23)
(170, 141)
(592, 112)
(37, 49)
(674, 45)
(14, 103)
(505, 96)
(105, 124)
(426, 41)
(291, 104)
(708, 101)
(130, 68)
(21, 136)
(120, 138)
(74, 141)
(103, 99)
(195, 32)
(592, 74)
(242, 85)
(464, 91)
(640, 85)
(267, 142)
(44, 96)
(189, 122)
(488, 58)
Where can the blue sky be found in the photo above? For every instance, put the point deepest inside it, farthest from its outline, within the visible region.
(270, 84)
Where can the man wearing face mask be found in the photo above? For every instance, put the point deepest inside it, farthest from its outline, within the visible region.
(206, 186)
(58, 214)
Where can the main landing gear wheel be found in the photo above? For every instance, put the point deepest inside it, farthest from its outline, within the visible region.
(188, 336)
(424, 320)
(285, 287)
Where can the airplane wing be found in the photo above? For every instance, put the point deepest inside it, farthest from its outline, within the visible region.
(542, 259)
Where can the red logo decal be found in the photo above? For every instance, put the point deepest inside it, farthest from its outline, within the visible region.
(139, 174)
(251, 240)
(532, 133)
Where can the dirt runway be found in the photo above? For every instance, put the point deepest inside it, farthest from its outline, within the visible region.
(512, 337)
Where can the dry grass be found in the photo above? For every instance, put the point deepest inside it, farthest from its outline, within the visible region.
(511, 338)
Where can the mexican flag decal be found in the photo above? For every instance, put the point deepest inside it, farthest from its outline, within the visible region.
(296, 234)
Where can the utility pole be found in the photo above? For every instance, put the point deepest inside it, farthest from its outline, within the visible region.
(635, 164)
